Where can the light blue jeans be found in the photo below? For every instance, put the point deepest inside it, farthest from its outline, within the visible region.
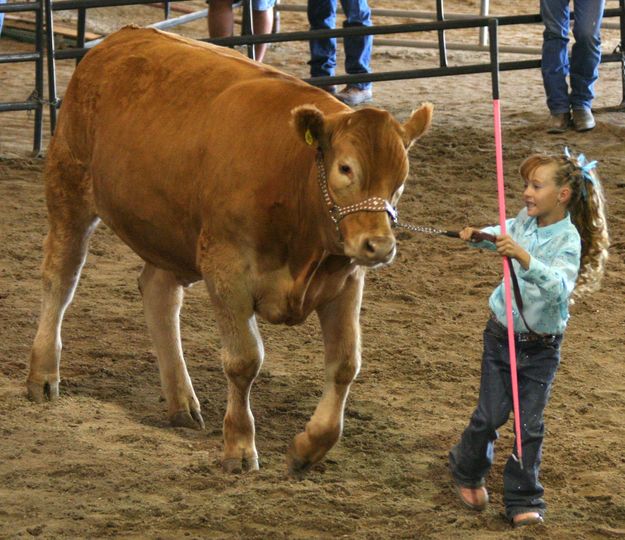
(2, 15)
(322, 15)
(262, 5)
(583, 66)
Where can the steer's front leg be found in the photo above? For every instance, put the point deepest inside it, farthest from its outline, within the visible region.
(242, 356)
(341, 335)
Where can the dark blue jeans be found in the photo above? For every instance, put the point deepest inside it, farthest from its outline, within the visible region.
(322, 15)
(585, 56)
(471, 459)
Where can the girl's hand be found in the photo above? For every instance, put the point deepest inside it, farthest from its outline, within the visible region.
(466, 233)
(506, 247)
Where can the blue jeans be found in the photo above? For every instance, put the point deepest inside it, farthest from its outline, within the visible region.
(585, 57)
(471, 459)
(322, 15)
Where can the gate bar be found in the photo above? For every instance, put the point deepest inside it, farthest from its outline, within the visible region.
(81, 29)
(442, 48)
(52, 97)
(622, 51)
(176, 21)
(380, 42)
(39, 44)
(301, 35)
(10, 58)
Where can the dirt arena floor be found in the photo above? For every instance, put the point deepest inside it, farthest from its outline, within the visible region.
(103, 462)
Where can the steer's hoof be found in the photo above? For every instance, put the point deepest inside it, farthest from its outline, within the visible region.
(297, 466)
(240, 465)
(40, 392)
(190, 419)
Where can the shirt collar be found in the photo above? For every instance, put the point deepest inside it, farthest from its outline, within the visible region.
(544, 234)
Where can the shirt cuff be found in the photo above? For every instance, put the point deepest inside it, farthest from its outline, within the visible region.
(485, 244)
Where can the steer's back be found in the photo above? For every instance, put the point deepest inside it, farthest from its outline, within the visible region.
(146, 75)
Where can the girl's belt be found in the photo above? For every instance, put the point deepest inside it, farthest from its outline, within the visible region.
(523, 337)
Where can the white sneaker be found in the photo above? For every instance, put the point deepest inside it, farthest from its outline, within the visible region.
(583, 120)
(352, 95)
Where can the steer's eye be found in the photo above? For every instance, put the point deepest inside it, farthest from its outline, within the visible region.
(345, 169)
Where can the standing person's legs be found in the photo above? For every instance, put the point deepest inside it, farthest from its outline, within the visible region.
(471, 459)
(221, 21)
(555, 59)
(357, 49)
(220, 18)
(263, 24)
(322, 15)
(585, 59)
(523, 492)
(357, 52)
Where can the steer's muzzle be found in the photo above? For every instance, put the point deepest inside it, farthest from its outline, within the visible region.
(372, 250)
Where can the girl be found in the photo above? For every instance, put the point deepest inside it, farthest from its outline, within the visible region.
(563, 223)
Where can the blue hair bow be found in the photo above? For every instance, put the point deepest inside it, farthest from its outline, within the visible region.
(585, 167)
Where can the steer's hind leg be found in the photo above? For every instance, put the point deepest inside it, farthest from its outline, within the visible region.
(341, 335)
(71, 223)
(242, 355)
(162, 300)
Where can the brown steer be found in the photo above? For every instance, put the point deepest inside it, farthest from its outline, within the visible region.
(213, 167)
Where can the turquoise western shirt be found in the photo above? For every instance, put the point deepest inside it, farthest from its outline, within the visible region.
(555, 252)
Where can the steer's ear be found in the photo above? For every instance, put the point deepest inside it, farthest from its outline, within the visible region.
(418, 123)
(309, 124)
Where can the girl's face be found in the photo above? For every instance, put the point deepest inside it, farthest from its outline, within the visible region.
(543, 198)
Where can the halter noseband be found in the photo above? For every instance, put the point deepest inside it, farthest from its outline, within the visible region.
(337, 213)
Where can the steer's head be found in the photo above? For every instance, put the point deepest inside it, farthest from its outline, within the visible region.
(363, 156)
